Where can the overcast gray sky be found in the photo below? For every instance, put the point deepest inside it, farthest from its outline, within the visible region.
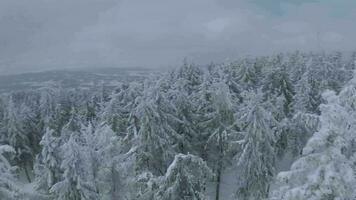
(56, 34)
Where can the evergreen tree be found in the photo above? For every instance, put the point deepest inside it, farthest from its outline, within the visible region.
(102, 149)
(326, 168)
(17, 136)
(279, 89)
(300, 128)
(156, 137)
(247, 73)
(186, 113)
(117, 111)
(47, 103)
(185, 178)
(48, 162)
(219, 125)
(9, 188)
(77, 181)
(257, 160)
(297, 65)
(191, 76)
(308, 95)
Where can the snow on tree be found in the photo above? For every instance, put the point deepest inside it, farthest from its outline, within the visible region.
(47, 103)
(185, 178)
(62, 114)
(156, 137)
(143, 186)
(33, 126)
(102, 148)
(219, 125)
(72, 127)
(9, 188)
(351, 64)
(77, 181)
(326, 168)
(278, 88)
(117, 111)
(121, 145)
(191, 76)
(335, 71)
(330, 71)
(305, 120)
(247, 73)
(308, 95)
(17, 135)
(256, 163)
(151, 141)
(47, 165)
(297, 64)
(204, 106)
(300, 128)
(185, 112)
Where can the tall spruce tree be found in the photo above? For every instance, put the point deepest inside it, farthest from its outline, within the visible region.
(186, 178)
(9, 185)
(256, 162)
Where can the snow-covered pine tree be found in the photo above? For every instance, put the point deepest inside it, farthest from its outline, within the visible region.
(219, 125)
(185, 178)
(62, 115)
(297, 64)
(77, 181)
(191, 76)
(336, 74)
(117, 111)
(103, 153)
(151, 141)
(72, 127)
(351, 64)
(305, 119)
(17, 136)
(329, 71)
(326, 168)
(33, 126)
(203, 102)
(247, 74)
(308, 95)
(300, 128)
(47, 165)
(156, 139)
(186, 113)
(47, 103)
(256, 163)
(9, 188)
(278, 88)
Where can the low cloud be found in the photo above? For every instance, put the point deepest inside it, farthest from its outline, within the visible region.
(47, 34)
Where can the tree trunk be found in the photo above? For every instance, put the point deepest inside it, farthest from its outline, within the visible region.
(217, 194)
(27, 174)
(220, 165)
(115, 183)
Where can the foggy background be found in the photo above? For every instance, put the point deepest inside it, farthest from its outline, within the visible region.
(64, 34)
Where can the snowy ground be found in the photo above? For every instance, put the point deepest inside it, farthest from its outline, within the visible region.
(230, 178)
(227, 187)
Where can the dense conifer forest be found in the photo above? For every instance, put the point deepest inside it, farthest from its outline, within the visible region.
(278, 127)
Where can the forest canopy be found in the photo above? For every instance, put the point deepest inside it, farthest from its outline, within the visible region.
(282, 126)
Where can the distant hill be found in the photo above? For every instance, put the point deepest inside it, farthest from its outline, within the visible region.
(73, 78)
